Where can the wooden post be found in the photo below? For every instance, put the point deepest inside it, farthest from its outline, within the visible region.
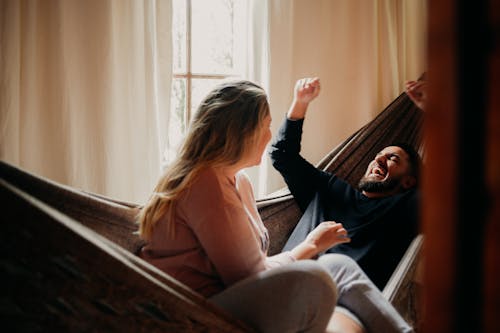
(461, 179)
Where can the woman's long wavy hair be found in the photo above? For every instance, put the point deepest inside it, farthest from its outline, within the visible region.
(223, 130)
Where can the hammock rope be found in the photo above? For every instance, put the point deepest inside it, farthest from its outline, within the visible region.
(74, 251)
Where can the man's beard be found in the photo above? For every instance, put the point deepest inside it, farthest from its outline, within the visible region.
(373, 186)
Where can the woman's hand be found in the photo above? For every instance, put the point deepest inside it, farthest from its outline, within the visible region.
(305, 91)
(324, 236)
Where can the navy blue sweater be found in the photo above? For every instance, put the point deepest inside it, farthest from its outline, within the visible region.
(380, 229)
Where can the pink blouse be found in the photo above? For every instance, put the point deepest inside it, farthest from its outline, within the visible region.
(219, 235)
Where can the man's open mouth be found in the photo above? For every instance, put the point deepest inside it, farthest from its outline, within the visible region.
(378, 171)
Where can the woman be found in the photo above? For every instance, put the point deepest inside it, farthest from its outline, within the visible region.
(202, 226)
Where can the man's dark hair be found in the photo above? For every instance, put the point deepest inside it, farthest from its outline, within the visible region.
(414, 157)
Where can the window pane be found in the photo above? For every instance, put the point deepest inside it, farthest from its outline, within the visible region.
(212, 36)
(200, 89)
(179, 36)
(176, 125)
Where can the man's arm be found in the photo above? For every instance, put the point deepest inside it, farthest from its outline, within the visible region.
(303, 179)
(305, 91)
(417, 91)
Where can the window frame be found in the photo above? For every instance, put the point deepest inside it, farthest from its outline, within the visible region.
(189, 75)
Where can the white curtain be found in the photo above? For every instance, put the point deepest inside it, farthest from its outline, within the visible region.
(85, 88)
(257, 70)
(363, 51)
(85, 85)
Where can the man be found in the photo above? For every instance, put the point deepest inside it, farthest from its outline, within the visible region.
(381, 215)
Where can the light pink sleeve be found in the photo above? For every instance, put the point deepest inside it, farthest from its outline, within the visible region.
(246, 191)
(215, 213)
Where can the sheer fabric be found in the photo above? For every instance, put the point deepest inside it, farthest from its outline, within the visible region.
(85, 91)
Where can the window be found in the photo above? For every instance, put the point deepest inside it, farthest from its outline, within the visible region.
(209, 45)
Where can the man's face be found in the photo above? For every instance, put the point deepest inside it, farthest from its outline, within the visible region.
(388, 173)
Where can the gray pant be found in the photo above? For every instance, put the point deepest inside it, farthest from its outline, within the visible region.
(358, 294)
(301, 297)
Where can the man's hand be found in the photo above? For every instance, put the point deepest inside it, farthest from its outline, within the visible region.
(305, 91)
(417, 91)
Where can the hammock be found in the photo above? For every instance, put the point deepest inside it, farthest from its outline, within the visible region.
(68, 256)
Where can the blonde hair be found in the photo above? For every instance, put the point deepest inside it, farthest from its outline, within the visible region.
(223, 129)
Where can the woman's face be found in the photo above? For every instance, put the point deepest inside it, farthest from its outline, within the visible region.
(263, 137)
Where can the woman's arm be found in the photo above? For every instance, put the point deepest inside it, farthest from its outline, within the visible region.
(214, 212)
(326, 235)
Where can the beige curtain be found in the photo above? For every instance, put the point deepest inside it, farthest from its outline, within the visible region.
(363, 51)
(257, 70)
(84, 95)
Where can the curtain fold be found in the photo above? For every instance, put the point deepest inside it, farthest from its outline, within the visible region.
(257, 70)
(85, 91)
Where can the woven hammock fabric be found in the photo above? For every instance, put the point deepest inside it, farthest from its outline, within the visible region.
(68, 256)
